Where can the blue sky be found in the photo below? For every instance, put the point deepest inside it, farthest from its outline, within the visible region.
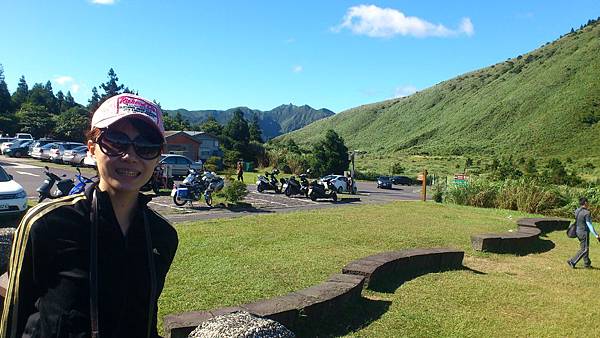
(260, 54)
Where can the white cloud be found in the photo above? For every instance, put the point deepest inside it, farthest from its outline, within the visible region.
(378, 22)
(297, 69)
(404, 91)
(75, 88)
(103, 2)
(62, 80)
(67, 81)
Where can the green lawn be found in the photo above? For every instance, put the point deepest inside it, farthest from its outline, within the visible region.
(230, 262)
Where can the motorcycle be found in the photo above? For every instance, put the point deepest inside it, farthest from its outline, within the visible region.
(82, 182)
(64, 186)
(195, 186)
(264, 183)
(292, 186)
(320, 190)
(157, 181)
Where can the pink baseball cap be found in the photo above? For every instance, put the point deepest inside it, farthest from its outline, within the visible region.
(123, 106)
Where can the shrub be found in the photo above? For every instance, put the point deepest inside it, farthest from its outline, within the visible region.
(397, 168)
(234, 191)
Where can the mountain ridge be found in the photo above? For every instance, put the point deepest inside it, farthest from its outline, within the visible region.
(279, 120)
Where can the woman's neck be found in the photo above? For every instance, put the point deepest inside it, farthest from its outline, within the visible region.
(124, 204)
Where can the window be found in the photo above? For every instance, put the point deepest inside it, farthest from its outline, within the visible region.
(170, 160)
(183, 160)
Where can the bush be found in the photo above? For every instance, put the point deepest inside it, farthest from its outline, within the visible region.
(397, 168)
(234, 191)
(367, 175)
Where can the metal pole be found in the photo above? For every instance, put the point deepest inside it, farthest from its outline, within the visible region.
(424, 189)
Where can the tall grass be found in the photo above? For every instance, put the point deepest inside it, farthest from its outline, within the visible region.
(525, 195)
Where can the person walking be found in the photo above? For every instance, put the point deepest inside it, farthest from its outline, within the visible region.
(584, 226)
(240, 171)
(94, 264)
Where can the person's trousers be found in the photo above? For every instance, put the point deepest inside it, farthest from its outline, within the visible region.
(584, 249)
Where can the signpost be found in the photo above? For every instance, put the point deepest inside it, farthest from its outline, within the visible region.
(423, 178)
(461, 179)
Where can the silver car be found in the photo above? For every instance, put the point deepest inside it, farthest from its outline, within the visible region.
(179, 164)
(42, 152)
(59, 148)
(75, 156)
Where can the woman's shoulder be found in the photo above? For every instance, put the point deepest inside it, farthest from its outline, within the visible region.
(53, 213)
(161, 226)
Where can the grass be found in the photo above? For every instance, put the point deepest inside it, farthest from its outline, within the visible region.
(231, 262)
(540, 104)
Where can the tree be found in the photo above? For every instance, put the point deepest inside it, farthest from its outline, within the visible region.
(211, 126)
(50, 98)
(40, 95)
(70, 101)
(71, 124)
(94, 101)
(5, 100)
(330, 155)
(60, 101)
(21, 94)
(110, 87)
(254, 129)
(34, 119)
(237, 132)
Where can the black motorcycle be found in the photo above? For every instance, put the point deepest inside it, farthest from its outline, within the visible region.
(321, 190)
(292, 186)
(266, 183)
(157, 181)
(64, 186)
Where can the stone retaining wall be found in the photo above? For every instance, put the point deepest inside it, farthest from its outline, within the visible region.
(331, 297)
(522, 240)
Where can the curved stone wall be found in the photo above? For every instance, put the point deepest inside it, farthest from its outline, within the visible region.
(332, 296)
(522, 240)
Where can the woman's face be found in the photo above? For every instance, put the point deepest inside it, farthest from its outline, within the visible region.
(126, 173)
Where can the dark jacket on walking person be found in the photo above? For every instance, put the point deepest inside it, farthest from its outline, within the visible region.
(240, 171)
(584, 226)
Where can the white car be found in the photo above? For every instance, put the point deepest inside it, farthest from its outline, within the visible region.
(13, 198)
(5, 145)
(341, 183)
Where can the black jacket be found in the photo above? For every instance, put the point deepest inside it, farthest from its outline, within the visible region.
(49, 290)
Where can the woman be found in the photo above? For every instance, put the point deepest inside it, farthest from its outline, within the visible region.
(94, 264)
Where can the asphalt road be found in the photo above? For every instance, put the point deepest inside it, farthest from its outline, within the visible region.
(30, 174)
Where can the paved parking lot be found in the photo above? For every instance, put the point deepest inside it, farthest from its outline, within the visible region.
(29, 173)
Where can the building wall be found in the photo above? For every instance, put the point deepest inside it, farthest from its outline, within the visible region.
(182, 145)
(209, 146)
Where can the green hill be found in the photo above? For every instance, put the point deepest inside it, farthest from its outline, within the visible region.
(274, 122)
(544, 103)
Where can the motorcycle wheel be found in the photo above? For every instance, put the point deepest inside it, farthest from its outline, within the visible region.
(156, 189)
(178, 201)
(208, 200)
(288, 192)
(313, 197)
(260, 188)
(334, 196)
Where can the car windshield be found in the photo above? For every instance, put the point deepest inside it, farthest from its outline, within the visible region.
(49, 145)
(384, 178)
(80, 148)
(4, 176)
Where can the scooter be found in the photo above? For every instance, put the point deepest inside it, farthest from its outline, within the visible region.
(292, 186)
(319, 190)
(64, 186)
(264, 183)
(81, 184)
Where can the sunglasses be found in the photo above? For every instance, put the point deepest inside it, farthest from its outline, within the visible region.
(115, 144)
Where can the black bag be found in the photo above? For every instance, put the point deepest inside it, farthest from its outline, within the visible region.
(572, 229)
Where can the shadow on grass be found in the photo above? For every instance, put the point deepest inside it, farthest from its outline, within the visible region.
(353, 318)
(390, 285)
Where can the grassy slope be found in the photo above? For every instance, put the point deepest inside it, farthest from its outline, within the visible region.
(230, 262)
(527, 106)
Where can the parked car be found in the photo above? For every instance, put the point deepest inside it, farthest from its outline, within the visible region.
(13, 198)
(38, 144)
(42, 152)
(341, 183)
(5, 144)
(180, 164)
(89, 161)
(401, 180)
(19, 148)
(75, 156)
(384, 182)
(24, 136)
(59, 148)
